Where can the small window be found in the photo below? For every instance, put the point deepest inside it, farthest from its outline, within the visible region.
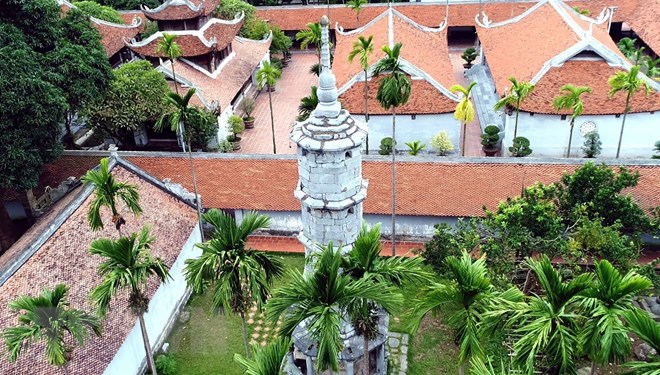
(617, 115)
(304, 152)
(309, 210)
(413, 117)
(351, 210)
(563, 117)
(531, 114)
(348, 155)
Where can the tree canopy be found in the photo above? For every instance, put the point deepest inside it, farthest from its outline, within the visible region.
(129, 4)
(96, 10)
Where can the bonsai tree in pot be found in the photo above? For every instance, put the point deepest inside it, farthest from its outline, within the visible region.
(469, 55)
(247, 107)
(490, 140)
(520, 147)
(237, 127)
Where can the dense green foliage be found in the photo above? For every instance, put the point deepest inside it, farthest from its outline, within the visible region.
(96, 10)
(592, 145)
(201, 126)
(129, 4)
(520, 147)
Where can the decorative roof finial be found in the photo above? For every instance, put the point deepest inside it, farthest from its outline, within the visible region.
(327, 92)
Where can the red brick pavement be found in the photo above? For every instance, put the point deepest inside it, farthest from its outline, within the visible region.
(296, 83)
(292, 245)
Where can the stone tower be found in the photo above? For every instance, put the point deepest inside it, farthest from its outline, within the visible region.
(331, 189)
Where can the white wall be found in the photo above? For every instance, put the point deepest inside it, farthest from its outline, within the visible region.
(548, 134)
(423, 128)
(163, 308)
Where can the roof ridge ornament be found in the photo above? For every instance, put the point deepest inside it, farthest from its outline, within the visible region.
(327, 91)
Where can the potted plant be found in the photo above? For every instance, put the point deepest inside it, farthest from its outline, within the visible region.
(490, 140)
(469, 55)
(237, 127)
(415, 147)
(442, 143)
(386, 146)
(247, 107)
(520, 147)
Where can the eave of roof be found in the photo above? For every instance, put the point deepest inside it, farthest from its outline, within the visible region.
(172, 10)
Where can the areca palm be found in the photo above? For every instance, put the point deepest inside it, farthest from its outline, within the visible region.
(362, 48)
(323, 300)
(605, 338)
(640, 323)
(268, 76)
(128, 264)
(630, 83)
(240, 277)
(464, 111)
(311, 35)
(176, 119)
(520, 90)
(48, 318)
(393, 91)
(170, 48)
(571, 99)
(356, 6)
(307, 105)
(364, 261)
(268, 360)
(107, 193)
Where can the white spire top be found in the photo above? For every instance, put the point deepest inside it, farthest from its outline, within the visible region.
(327, 91)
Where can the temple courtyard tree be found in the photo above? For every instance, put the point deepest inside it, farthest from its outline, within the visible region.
(571, 99)
(520, 90)
(170, 48)
(629, 83)
(464, 111)
(267, 76)
(363, 48)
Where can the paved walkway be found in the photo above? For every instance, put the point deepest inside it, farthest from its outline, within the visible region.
(296, 83)
(292, 245)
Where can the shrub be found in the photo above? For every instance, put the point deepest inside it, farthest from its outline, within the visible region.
(442, 143)
(491, 136)
(520, 147)
(201, 126)
(236, 124)
(150, 28)
(225, 146)
(165, 364)
(386, 146)
(469, 55)
(228, 9)
(448, 241)
(101, 12)
(415, 147)
(247, 107)
(657, 150)
(592, 145)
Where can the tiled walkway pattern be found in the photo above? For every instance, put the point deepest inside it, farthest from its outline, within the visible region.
(259, 330)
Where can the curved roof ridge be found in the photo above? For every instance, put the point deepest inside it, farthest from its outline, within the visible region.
(440, 27)
(168, 3)
(266, 39)
(238, 17)
(485, 22)
(99, 21)
(340, 29)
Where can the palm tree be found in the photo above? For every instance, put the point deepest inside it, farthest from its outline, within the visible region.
(468, 294)
(107, 193)
(356, 6)
(480, 367)
(628, 83)
(627, 47)
(307, 105)
(364, 260)
(393, 91)
(176, 118)
(640, 323)
(268, 75)
(169, 47)
(519, 92)
(606, 340)
(464, 111)
(571, 99)
(48, 318)
(311, 35)
(363, 47)
(241, 277)
(268, 360)
(127, 264)
(323, 300)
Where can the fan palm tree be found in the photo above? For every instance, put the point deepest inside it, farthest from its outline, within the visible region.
(520, 90)
(307, 105)
(169, 47)
(393, 91)
(364, 260)
(605, 338)
(176, 119)
(48, 318)
(464, 111)
(571, 99)
(107, 193)
(640, 323)
(268, 76)
(311, 35)
(323, 300)
(629, 83)
(268, 360)
(469, 293)
(128, 264)
(356, 6)
(241, 277)
(362, 48)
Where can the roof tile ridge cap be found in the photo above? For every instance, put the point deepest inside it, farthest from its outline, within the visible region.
(487, 24)
(168, 3)
(367, 25)
(439, 86)
(416, 25)
(212, 75)
(137, 21)
(265, 40)
(238, 17)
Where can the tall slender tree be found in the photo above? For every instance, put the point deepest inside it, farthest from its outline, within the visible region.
(169, 47)
(362, 48)
(241, 277)
(464, 111)
(323, 300)
(629, 83)
(393, 91)
(128, 264)
(520, 90)
(268, 76)
(571, 99)
(176, 118)
(356, 6)
(107, 193)
(49, 318)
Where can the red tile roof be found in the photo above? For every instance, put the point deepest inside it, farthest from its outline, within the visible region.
(644, 20)
(181, 9)
(64, 258)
